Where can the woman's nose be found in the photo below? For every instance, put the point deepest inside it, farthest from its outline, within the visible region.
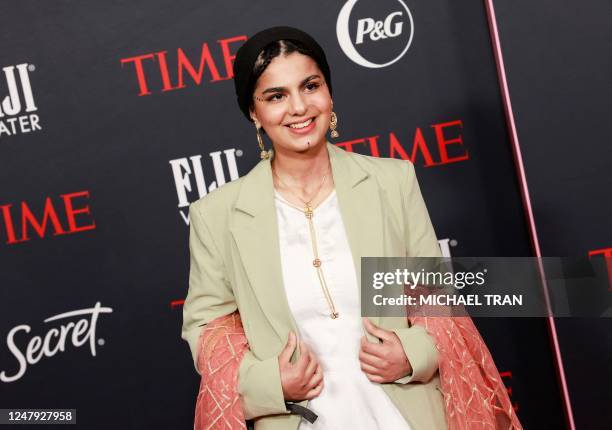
(297, 105)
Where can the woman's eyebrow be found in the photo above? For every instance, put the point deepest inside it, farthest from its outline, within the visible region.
(280, 89)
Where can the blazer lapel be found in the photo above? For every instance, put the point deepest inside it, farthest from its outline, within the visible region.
(255, 230)
(361, 209)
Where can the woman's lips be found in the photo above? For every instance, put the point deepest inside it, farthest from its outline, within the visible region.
(304, 130)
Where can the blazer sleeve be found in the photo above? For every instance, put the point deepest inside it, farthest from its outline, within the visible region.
(421, 241)
(211, 296)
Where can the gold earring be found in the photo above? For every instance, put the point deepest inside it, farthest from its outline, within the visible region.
(264, 154)
(333, 123)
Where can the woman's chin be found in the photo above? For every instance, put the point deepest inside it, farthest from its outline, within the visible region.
(302, 143)
(314, 137)
(306, 143)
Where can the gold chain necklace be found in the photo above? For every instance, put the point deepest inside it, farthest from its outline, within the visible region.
(308, 212)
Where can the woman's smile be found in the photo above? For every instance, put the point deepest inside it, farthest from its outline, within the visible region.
(302, 128)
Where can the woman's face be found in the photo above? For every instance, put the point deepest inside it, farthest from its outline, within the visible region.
(292, 91)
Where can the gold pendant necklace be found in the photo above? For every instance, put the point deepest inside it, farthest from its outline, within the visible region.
(308, 212)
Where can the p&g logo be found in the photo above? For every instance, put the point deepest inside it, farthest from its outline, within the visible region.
(397, 24)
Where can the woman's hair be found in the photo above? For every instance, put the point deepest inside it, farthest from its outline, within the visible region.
(270, 52)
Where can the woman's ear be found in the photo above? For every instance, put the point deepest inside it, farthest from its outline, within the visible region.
(254, 118)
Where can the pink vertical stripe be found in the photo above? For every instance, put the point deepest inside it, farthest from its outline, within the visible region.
(520, 170)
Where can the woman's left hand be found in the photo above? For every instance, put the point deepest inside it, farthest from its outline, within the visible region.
(386, 361)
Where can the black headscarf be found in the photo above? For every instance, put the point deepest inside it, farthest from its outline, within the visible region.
(246, 56)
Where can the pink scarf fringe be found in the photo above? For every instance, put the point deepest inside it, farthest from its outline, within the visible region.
(474, 394)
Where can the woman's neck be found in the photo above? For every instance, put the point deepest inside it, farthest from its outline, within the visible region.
(302, 173)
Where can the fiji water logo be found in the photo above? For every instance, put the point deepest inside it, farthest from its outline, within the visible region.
(16, 108)
(193, 176)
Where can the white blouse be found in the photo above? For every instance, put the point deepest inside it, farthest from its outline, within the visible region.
(349, 400)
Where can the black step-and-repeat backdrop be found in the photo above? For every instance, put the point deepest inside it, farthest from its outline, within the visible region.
(115, 116)
(559, 70)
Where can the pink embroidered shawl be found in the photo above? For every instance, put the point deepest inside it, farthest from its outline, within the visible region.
(474, 394)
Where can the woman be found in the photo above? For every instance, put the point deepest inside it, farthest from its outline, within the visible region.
(282, 246)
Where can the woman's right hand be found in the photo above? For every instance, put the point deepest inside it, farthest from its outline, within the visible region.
(302, 380)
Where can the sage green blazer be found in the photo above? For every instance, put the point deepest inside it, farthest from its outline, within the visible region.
(235, 264)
